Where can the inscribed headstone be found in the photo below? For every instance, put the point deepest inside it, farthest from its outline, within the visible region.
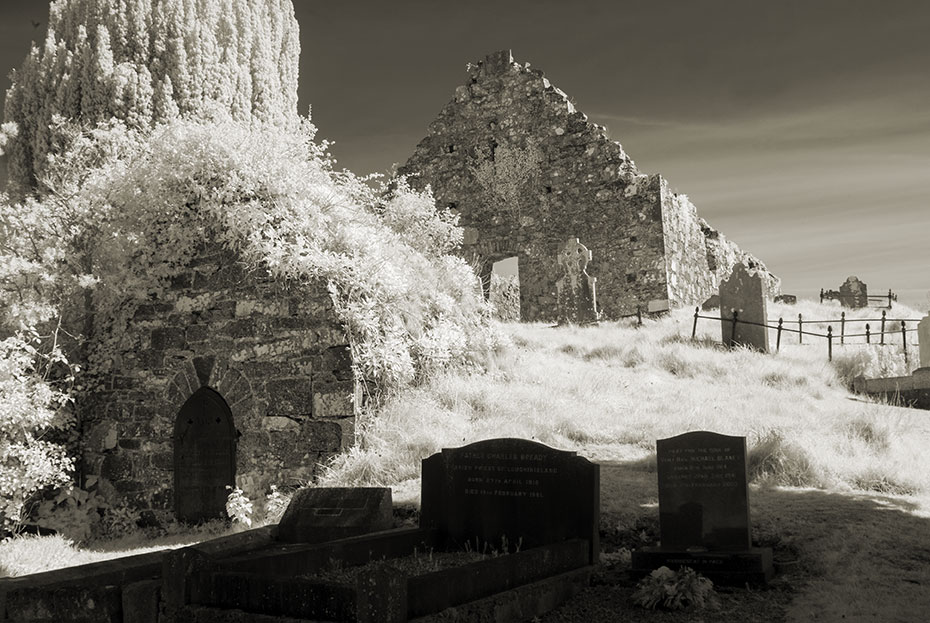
(744, 293)
(787, 299)
(854, 293)
(575, 289)
(703, 495)
(318, 514)
(923, 341)
(516, 489)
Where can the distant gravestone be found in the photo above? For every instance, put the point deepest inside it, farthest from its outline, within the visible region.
(712, 302)
(923, 342)
(658, 306)
(512, 489)
(318, 514)
(575, 289)
(743, 293)
(704, 509)
(854, 293)
(787, 299)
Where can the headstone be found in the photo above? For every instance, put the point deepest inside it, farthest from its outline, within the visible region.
(318, 514)
(704, 509)
(923, 342)
(712, 302)
(744, 293)
(787, 299)
(575, 289)
(204, 457)
(512, 489)
(854, 293)
(657, 306)
(703, 500)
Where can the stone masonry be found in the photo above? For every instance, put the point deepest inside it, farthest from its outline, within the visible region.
(277, 356)
(526, 171)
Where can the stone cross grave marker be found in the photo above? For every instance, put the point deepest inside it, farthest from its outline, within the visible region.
(743, 292)
(704, 509)
(575, 289)
(854, 293)
(318, 514)
(513, 489)
(923, 343)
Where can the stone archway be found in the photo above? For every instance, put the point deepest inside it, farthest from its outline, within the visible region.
(204, 456)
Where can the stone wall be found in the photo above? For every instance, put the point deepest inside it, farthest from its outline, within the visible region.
(276, 354)
(526, 171)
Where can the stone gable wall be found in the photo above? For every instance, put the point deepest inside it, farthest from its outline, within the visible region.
(276, 354)
(526, 171)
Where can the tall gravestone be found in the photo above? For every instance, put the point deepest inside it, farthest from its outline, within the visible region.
(923, 343)
(704, 510)
(513, 489)
(854, 293)
(743, 293)
(575, 289)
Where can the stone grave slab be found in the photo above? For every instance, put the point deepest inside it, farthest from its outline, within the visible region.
(657, 306)
(575, 290)
(704, 510)
(744, 293)
(787, 299)
(907, 391)
(512, 489)
(318, 514)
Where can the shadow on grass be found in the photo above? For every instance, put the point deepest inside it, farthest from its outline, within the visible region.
(840, 556)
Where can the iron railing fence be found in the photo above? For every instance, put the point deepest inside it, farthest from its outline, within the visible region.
(829, 335)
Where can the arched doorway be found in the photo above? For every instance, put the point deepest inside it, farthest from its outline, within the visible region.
(204, 456)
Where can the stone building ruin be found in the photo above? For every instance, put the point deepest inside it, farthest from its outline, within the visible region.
(526, 172)
(230, 378)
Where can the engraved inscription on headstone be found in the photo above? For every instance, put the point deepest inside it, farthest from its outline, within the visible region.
(703, 499)
(204, 456)
(516, 489)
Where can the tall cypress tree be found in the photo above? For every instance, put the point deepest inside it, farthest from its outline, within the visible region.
(144, 61)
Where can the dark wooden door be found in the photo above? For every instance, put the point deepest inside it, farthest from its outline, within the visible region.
(204, 457)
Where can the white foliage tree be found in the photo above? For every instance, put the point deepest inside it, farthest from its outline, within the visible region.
(146, 61)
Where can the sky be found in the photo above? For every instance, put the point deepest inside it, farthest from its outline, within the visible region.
(799, 129)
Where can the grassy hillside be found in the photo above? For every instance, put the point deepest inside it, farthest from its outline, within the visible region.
(840, 485)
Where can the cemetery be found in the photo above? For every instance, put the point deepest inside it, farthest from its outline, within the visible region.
(239, 383)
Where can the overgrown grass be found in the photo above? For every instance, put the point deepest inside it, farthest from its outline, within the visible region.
(610, 391)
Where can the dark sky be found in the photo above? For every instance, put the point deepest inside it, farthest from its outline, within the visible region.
(799, 129)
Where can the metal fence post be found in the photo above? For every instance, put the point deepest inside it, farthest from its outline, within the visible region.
(829, 343)
(694, 328)
(883, 328)
(639, 315)
(778, 338)
(867, 335)
(904, 341)
(733, 331)
(821, 296)
(800, 329)
(889, 298)
(842, 328)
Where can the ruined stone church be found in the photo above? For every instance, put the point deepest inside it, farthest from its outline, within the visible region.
(527, 172)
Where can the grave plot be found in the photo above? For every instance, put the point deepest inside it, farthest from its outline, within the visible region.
(508, 529)
(704, 511)
(909, 391)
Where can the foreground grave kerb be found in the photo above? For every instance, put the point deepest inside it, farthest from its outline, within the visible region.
(522, 516)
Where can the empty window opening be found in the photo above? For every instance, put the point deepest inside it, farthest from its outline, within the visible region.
(504, 290)
(548, 190)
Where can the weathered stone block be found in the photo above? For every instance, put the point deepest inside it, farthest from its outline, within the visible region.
(116, 466)
(333, 404)
(167, 337)
(289, 396)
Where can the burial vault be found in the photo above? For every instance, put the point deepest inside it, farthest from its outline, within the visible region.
(526, 172)
(230, 378)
